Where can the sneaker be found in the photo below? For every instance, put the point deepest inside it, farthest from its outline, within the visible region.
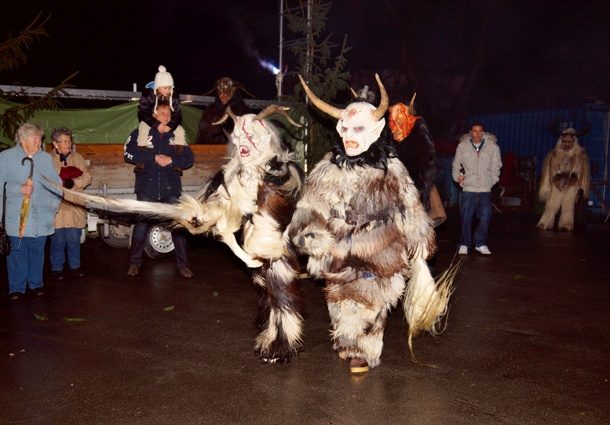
(59, 275)
(77, 272)
(15, 296)
(186, 272)
(483, 250)
(463, 250)
(134, 270)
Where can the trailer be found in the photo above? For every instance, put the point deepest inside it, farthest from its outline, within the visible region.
(100, 135)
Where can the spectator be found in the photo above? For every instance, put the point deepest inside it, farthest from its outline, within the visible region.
(158, 171)
(476, 167)
(25, 262)
(71, 217)
(162, 90)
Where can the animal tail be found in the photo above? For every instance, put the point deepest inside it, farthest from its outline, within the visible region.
(426, 301)
(188, 212)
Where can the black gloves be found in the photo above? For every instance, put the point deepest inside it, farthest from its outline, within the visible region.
(68, 183)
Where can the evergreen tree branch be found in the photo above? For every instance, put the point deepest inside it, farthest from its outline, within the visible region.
(12, 51)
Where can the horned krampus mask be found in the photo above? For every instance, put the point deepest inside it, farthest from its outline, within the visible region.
(359, 124)
(252, 136)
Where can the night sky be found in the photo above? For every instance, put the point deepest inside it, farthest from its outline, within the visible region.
(536, 53)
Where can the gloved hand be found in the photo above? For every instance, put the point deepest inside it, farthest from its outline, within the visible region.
(68, 183)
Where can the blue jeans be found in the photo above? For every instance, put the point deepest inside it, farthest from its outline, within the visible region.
(65, 239)
(475, 204)
(25, 263)
(138, 239)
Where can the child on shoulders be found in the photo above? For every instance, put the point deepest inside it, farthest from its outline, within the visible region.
(162, 89)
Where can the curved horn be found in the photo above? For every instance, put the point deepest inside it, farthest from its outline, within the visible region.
(209, 92)
(228, 113)
(222, 120)
(320, 104)
(412, 104)
(275, 109)
(242, 88)
(385, 101)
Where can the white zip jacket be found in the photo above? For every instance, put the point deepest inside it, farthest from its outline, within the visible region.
(482, 169)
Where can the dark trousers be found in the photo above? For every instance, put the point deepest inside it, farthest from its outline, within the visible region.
(138, 239)
(25, 263)
(475, 204)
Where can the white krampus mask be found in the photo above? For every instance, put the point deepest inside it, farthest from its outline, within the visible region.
(359, 124)
(252, 136)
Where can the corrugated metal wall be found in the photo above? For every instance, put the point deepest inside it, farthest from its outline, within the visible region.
(529, 134)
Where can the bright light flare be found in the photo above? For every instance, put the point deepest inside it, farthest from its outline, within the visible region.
(269, 66)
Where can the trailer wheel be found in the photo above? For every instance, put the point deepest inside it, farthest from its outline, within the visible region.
(119, 235)
(158, 242)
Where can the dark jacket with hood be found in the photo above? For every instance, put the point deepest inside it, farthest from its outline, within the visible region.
(154, 182)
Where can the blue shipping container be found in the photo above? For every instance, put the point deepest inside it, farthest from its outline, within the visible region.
(529, 134)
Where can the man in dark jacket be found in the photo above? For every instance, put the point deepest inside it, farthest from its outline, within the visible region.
(158, 171)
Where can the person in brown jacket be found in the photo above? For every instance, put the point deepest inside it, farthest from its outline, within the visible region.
(71, 218)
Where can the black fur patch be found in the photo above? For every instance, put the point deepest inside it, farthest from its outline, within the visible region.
(376, 156)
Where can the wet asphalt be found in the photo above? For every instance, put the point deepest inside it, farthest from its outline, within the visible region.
(527, 342)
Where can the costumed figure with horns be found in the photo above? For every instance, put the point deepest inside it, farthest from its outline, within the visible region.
(365, 231)
(228, 95)
(415, 149)
(565, 178)
(256, 192)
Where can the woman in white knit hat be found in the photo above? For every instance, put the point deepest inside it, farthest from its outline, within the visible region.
(162, 89)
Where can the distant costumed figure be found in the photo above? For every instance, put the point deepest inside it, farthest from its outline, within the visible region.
(565, 177)
(228, 95)
(256, 192)
(364, 229)
(415, 149)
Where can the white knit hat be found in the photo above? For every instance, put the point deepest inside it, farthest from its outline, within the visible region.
(163, 78)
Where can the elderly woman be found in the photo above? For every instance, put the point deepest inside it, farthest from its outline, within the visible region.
(71, 218)
(26, 261)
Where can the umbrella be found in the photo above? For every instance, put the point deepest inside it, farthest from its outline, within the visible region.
(25, 204)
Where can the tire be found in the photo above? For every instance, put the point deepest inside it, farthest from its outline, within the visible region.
(159, 242)
(119, 235)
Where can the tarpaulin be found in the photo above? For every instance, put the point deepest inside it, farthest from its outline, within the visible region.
(102, 125)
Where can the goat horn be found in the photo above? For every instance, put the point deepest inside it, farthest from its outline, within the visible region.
(275, 109)
(385, 101)
(228, 113)
(320, 104)
(222, 120)
(412, 104)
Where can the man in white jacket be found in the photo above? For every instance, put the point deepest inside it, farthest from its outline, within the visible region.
(476, 167)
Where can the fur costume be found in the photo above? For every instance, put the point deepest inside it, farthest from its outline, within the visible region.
(365, 231)
(565, 173)
(255, 191)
